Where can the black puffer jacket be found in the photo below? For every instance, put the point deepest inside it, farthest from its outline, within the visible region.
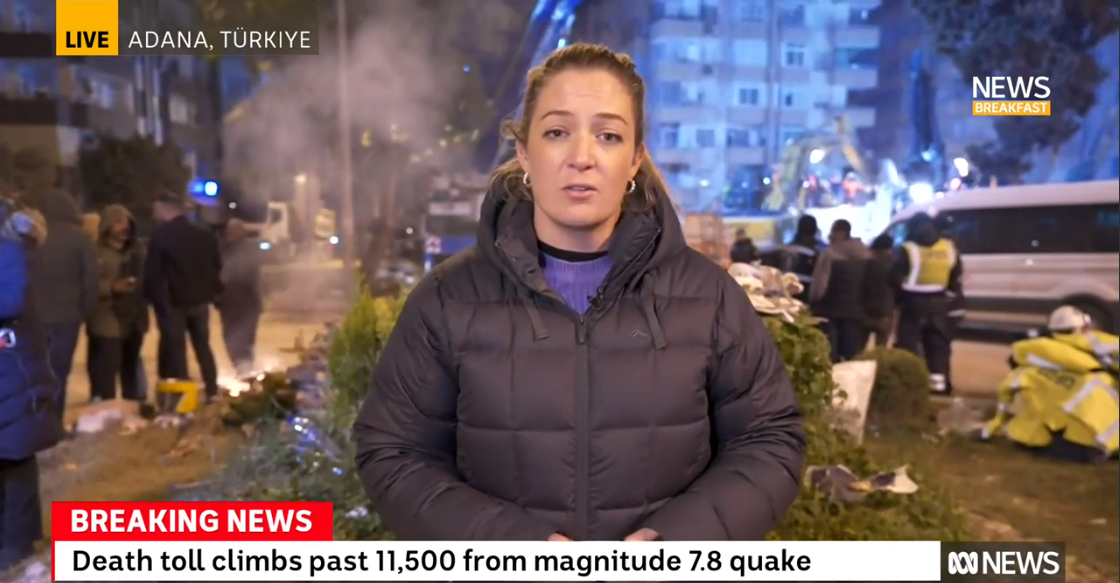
(497, 412)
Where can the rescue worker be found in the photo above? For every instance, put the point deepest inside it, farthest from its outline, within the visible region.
(926, 267)
(955, 295)
(799, 256)
(839, 292)
(743, 249)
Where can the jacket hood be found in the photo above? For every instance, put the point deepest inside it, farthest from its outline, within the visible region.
(109, 216)
(58, 206)
(641, 241)
(851, 249)
(923, 233)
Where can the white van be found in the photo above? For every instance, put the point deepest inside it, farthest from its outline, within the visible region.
(1029, 249)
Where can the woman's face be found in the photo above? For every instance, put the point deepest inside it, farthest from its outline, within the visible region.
(580, 153)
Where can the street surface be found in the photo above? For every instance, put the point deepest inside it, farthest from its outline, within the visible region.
(276, 332)
(978, 367)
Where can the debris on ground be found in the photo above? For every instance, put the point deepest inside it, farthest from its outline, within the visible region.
(840, 484)
(960, 418)
(97, 421)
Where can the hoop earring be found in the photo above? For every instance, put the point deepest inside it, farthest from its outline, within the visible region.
(631, 187)
(525, 179)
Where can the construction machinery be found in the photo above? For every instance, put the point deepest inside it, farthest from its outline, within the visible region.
(824, 174)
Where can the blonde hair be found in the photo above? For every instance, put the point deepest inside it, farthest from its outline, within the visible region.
(581, 56)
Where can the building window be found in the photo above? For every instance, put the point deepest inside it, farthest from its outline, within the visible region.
(750, 52)
(746, 137)
(792, 16)
(793, 55)
(179, 110)
(103, 95)
(794, 98)
(706, 138)
(693, 94)
(23, 19)
(669, 93)
(859, 16)
(750, 11)
(751, 96)
(788, 134)
(668, 135)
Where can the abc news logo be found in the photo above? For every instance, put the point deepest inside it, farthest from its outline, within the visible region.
(1035, 560)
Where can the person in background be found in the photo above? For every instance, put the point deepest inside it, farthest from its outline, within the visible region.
(240, 305)
(182, 277)
(120, 321)
(926, 267)
(838, 292)
(799, 256)
(66, 280)
(955, 294)
(880, 292)
(581, 373)
(29, 422)
(743, 249)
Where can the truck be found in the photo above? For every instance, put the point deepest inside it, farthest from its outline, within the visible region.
(451, 224)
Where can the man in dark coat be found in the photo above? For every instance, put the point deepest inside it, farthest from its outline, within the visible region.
(182, 277)
(240, 305)
(66, 279)
(29, 422)
(839, 293)
(506, 406)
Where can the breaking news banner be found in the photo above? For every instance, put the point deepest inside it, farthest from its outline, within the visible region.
(101, 28)
(238, 541)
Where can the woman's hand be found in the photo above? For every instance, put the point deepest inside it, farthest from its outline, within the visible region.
(559, 538)
(644, 535)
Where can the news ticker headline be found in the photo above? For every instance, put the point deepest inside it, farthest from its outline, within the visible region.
(227, 541)
(99, 28)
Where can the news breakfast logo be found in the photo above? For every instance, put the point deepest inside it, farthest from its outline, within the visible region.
(1010, 96)
(93, 28)
(974, 561)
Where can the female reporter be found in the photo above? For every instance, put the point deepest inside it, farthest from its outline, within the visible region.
(29, 422)
(581, 373)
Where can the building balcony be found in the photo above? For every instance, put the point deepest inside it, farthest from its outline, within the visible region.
(681, 70)
(684, 114)
(855, 77)
(749, 156)
(747, 116)
(861, 36)
(26, 45)
(859, 117)
(666, 156)
(49, 111)
(29, 110)
(672, 27)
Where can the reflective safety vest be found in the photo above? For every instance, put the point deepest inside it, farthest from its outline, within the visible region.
(929, 266)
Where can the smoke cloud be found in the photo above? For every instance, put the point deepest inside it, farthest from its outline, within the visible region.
(400, 86)
(403, 80)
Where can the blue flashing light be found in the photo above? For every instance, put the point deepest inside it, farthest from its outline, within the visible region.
(210, 188)
(562, 43)
(466, 68)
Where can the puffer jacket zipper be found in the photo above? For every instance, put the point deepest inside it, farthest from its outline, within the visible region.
(583, 433)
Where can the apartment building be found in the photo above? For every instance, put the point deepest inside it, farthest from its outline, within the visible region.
(57, 104)
(732, 82)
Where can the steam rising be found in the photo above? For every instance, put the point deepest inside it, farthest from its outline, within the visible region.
(397, 89)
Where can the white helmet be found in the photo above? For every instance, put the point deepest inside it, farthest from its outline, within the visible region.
(1068, 318)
